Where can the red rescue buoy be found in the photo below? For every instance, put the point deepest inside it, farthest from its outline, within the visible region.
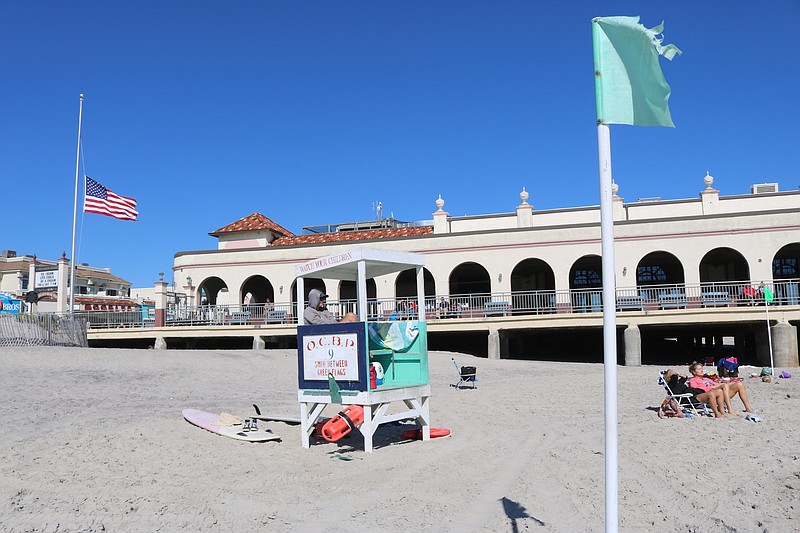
(417, 433)
(343, 423)
(318, 427)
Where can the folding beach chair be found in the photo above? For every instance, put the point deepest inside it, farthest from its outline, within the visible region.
(685, 401)
(467, 374)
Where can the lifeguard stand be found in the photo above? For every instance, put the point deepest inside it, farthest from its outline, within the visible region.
(347, 350)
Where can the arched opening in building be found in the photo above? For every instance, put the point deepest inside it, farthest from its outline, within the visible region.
(533, 285)
(786, 263)
(470, 289)
(348, 296)
(722, 265)
(469, 278)
(405, 286)
(308, 284)
(259, 289)
(659, 269)
(586, 284)
(209, 290)
(786, 274)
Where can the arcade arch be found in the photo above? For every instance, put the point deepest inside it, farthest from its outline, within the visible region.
(259, 288)
(585, 278)
(405, 286)
(724, 264)
(469, 278)
(786, 263)
(348, 296)
(533, 285)
(659, 268)
(786, 266)
(308, 284)
(209, 290)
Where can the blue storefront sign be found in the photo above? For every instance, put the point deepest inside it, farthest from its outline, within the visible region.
(9, 306)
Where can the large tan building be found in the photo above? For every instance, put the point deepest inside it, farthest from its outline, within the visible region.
(673, 258)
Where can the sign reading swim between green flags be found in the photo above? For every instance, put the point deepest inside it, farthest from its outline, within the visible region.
(629, 85)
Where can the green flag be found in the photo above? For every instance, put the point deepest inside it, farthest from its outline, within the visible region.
(768, 295)
(333, 387)
(629, 85)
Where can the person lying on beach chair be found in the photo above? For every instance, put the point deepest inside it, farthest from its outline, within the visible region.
(715, 399)
(700, 380)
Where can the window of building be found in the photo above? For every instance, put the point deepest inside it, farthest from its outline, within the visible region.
(784, 268)
(651, 274)
(587, 278)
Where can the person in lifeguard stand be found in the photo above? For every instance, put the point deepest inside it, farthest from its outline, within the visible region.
(317, 312)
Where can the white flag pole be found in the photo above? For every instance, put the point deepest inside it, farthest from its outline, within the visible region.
(769, 337)
(609, 329)
(75, 215)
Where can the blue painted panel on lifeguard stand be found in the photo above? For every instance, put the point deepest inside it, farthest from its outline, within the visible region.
(328, 348)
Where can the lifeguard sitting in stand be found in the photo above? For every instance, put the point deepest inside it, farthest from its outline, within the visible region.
(317, 312)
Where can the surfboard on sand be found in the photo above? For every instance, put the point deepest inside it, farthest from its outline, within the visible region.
(291, 420)
(206, 421)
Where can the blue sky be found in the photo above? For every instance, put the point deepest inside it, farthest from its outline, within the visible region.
(310, 112)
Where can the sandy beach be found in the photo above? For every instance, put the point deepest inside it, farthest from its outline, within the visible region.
(94, 440)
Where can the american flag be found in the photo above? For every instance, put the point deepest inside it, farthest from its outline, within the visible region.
(102, 201)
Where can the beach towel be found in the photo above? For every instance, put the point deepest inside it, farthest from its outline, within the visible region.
(397, 336)
(227, 419)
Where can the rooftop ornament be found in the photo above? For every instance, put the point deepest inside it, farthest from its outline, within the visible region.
(708, 180)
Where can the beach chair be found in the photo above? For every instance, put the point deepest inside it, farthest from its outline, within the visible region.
(686, 401)
(467, 375)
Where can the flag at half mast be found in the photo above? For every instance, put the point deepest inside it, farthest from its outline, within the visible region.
(629, 85)
(102, 201)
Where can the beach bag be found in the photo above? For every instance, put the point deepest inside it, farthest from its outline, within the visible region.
(670, 409)
(766, 371)
(728, 368)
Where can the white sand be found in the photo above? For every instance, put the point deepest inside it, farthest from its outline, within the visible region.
(93, 440)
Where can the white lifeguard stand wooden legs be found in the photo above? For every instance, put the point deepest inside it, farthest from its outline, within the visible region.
(376, 405)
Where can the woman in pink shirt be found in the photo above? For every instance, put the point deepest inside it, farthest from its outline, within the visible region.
(729, 389)
(679, 384)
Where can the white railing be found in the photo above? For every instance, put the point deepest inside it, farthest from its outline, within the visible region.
(470, 306)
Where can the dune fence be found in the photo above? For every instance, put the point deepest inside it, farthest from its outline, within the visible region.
(43, 329)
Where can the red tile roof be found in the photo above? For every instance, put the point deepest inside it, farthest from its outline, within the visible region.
(253, 222)
(365, 235)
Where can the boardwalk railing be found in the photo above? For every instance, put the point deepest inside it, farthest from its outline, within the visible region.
(464, 306)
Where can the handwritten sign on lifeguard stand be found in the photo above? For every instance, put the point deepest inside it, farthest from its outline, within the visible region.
(336, 349)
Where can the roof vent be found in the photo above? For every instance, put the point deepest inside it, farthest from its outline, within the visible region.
(761, 188)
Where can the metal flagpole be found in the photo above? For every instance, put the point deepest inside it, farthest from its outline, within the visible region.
(609, 329)
(75, 215)
(769, 337)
